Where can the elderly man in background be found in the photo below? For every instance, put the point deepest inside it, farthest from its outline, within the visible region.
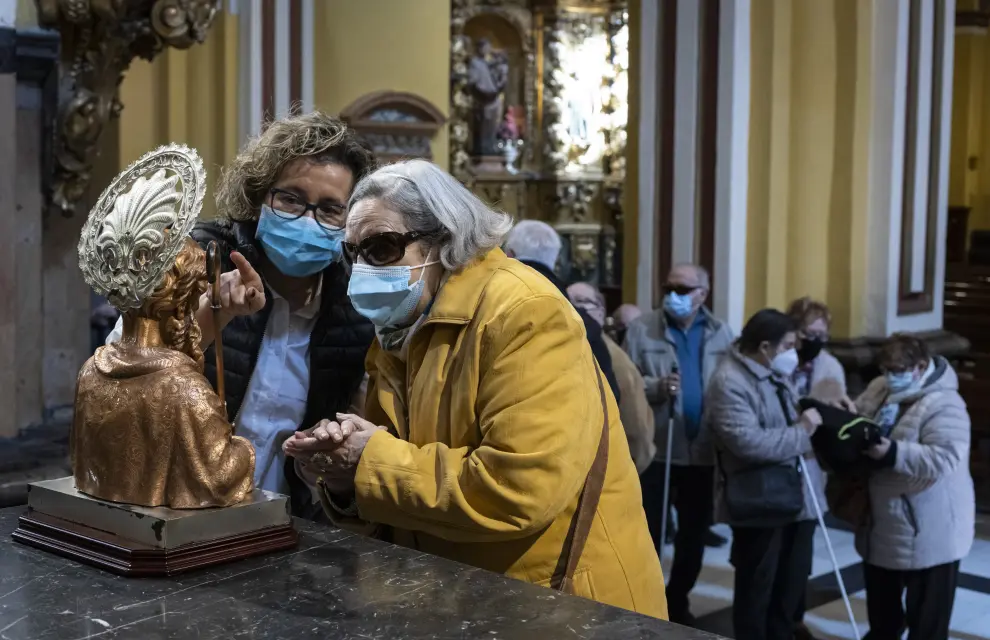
(537, 245)
(677, 348)
(634, 410)
(622, 317)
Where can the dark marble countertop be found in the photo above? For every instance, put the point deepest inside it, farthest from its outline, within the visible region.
(334, 585)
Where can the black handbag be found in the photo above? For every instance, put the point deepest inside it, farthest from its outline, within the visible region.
(843, 437)
(765, 491)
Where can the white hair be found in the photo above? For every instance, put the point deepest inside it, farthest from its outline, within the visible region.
(704, 280)
(435, 204)
(536, 241)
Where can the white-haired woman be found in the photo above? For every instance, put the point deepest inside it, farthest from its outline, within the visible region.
(487, 420)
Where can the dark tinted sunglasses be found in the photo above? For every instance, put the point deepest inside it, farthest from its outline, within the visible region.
(679, 289)
(380, 249)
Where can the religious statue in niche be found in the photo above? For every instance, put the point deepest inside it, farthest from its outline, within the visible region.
(148, 428)
(488, 74)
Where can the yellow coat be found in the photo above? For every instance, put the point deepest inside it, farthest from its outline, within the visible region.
(494, 420)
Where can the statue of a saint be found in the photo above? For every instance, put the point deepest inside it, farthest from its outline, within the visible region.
(488, 74)
(148, 428)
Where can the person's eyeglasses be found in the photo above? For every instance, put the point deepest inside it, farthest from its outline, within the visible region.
(290, 206)
(823, 337)
(380, 249)
(679, 289)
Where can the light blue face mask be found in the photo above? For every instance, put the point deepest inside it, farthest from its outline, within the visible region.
(679, 306)
(898, 382)
(384, 295)
(300, 247)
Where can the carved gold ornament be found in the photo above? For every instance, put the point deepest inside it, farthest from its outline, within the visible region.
(139, 224)
(99, 40)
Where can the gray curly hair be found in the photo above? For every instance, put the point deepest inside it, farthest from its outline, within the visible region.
(439, 207)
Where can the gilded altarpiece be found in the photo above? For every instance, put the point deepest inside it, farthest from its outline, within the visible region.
(555, 74)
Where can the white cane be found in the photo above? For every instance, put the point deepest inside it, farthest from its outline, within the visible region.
(828, 545)
(671, 402)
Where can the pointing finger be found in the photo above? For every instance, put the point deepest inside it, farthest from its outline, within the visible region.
(248, 274)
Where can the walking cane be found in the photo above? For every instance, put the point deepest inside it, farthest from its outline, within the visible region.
(672, 401)
(828, 545)
(213, 277)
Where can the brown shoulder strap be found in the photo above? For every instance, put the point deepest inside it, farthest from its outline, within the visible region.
(584, 515)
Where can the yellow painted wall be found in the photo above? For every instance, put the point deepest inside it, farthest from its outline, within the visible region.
(188, 97)
(375, 45)
(808, 125)
(969, 159)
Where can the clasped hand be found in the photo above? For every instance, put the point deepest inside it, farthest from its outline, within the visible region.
(332, 449)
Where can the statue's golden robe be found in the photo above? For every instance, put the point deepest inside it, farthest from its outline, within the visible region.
(150, 430)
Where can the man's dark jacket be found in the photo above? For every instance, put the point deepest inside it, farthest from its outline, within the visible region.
(592, 328)
(338, 345)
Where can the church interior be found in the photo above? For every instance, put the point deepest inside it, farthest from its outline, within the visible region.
(826, 148)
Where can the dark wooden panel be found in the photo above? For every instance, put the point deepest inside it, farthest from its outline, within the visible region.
(663, 213)
(708, 136)
(913, 302)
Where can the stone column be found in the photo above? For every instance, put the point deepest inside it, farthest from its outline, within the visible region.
(27, 105)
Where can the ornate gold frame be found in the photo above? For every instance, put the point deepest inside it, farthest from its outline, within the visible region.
(99, 40)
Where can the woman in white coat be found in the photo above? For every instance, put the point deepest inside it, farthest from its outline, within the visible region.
(922, 505)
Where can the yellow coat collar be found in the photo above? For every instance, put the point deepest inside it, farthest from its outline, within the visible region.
(459, 297)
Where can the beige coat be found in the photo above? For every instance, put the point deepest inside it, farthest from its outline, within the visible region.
(922, 511)
(828, 378)
(637, 417)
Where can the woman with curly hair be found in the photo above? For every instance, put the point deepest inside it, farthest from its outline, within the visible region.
(293, 345)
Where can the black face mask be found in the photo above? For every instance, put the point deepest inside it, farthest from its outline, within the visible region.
(620, 335)
(809, 350)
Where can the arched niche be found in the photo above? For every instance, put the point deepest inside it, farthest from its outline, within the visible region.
(396, 125)
(503, 36)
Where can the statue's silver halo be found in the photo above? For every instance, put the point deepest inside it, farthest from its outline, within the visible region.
(128, 259)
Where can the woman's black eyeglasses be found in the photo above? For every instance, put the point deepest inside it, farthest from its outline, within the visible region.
(380, 249)
(287, 205)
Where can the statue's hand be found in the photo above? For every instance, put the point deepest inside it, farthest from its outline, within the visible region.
(241, 290)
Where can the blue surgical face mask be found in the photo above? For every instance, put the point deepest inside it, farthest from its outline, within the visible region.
(898, 382)
(384, 295)
(300, 247)
(677, 305)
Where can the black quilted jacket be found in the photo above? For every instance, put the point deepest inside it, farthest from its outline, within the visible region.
(338, 345)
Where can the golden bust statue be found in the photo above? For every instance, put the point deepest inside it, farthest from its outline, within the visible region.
(148, 428)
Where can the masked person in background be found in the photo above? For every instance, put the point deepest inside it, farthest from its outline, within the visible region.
(637, 417)
(921, 519)
(294, 346)
(487, 415)
(818, 375)
(682, 336)
(759, 436)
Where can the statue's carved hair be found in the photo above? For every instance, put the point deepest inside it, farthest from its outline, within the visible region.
(175, 301)
(246, 181)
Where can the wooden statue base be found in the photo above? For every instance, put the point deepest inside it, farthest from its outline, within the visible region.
(126, 558)
(132, 540)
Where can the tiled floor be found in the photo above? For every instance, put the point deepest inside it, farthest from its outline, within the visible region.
(711, 600)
